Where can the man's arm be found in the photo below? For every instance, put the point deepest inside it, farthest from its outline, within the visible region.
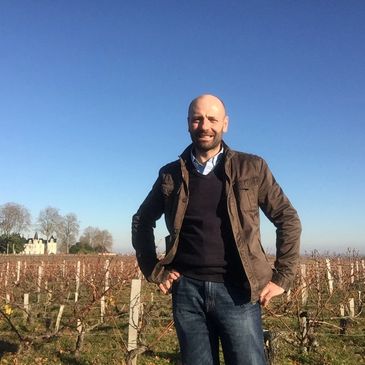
(143, 224)
(278, 209)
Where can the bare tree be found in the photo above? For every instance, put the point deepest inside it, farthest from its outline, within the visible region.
(49, 220)
(104, 240)
(68, 231)
(100, 240)
(89, 235)
(14, 219)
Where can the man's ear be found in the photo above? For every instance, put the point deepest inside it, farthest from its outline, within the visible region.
(225, 124)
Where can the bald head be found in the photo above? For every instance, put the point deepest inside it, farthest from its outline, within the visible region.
(207, 98)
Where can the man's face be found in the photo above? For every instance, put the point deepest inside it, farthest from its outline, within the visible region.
(207, 122)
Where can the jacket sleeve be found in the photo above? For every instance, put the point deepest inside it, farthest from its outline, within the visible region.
(278, 209)
(143, 224)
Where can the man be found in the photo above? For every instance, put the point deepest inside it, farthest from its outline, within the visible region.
(214, 264)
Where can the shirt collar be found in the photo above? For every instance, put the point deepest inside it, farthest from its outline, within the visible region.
(209, 165)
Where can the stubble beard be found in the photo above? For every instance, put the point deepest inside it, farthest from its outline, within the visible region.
(204, 147)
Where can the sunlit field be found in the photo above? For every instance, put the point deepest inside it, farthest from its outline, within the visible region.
(76, 309)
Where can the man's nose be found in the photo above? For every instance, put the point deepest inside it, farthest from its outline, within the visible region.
(204, 124)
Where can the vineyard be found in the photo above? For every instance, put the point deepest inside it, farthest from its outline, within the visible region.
(83, 310)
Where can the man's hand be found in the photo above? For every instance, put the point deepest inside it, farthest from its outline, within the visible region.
(271, 290)
(167, 284)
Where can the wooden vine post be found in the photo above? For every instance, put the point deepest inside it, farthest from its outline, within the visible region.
(329, 276)
(7, 295)
(303, 284)
(18, 263)
(134, 310)
(26, 307)
(39, 281)
(59, 316)
(352, 274)
(79, 326)
(78, 266)
(106, 288)
(352, 307)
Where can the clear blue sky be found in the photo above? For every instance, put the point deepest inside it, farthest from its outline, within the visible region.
(93, 99)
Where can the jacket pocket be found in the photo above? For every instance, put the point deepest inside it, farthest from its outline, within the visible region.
(247, 194)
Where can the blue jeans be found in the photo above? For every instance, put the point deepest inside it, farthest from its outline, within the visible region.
(205, 312)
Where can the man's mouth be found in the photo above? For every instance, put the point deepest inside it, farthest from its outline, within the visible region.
(204, 137)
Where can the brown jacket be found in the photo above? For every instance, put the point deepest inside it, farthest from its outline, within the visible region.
(249, 186)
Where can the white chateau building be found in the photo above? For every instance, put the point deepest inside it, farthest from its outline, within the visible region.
(38, 246)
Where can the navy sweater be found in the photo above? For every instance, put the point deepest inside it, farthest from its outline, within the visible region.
(207, 250)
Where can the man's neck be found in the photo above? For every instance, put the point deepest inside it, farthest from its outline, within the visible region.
(204, 156)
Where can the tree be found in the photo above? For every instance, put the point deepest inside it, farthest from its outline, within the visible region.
(99, 240)
(14, 243)
(49, 221)
(68, 230)
(104, 241)
(14, 219)
(88, 237)
(81, 248)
